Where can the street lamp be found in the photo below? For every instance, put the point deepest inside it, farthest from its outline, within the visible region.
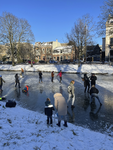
(109, 52)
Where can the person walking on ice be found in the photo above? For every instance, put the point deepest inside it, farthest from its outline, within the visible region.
(86, 83)
(17, 80)
(40, 76)
(71, 91)
(52, 76)
(93, 79)
(60, 75)
(94, 94)
(61, 107)
(1, 83)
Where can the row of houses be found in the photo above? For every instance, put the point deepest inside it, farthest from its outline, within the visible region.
(56, 51)
(60, 51)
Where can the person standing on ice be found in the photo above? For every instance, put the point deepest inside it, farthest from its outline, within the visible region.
(86, 83)
(60, 75)
(17, 80)
(93, 79)
(94, 93)
(71, 91)
(52, 76)
(1, 83)
(40, 76)
(22, 72)
(61, 107)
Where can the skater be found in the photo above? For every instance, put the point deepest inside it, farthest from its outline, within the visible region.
(25, 90)
(93, 79)
(49, 110)
(52, 76)
(17, 80)
(94, 93)
(60, 75)
(1, 83)
(61, 107)
(22, 72)
(86, 83)
(40, 76)
(71, 91)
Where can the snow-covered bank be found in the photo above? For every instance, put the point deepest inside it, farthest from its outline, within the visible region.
(85, 68)
(22, 129)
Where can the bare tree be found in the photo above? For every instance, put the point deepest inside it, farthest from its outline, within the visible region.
(30, 52)
(106, 10)
(81, 35)
(13, 31)
(8, 30)
(24, 35)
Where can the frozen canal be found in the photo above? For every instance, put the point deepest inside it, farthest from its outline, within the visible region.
(96, 118)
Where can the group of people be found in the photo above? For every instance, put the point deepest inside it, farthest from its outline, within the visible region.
(93, 90)
(60, 103)
(60, 106)
(52, 76)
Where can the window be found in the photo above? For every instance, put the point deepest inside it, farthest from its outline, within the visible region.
(111, 41)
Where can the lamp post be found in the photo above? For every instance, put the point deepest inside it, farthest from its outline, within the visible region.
(109, 52)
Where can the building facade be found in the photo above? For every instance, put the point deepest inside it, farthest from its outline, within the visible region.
(107, 42)
(54, 50)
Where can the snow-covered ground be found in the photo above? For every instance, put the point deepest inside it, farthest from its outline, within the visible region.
(93, 68)
(22, 129)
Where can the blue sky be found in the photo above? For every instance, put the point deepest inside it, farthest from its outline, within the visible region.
(52, 19)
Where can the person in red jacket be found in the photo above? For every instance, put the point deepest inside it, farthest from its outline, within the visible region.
(26, 89)
(60, 75)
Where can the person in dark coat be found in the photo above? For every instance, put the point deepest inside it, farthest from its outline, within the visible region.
(86, 83)
(49, 110)
(52, 76)
(17, 80)
(40, 76)
(93, 79)
(94, 93)
(1, 83)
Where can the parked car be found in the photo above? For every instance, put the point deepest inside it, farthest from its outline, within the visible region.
(53, 62)
(29, 62)
(65, 61)
(1, 62)
(42, 62)
(7, 62)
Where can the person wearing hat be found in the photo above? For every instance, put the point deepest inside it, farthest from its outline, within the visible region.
(61, 107)
(1, 83)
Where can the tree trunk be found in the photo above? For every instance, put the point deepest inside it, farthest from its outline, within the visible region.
(31, 63)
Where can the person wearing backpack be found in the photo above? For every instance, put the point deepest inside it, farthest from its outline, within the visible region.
(71, 91)
(1, 83)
